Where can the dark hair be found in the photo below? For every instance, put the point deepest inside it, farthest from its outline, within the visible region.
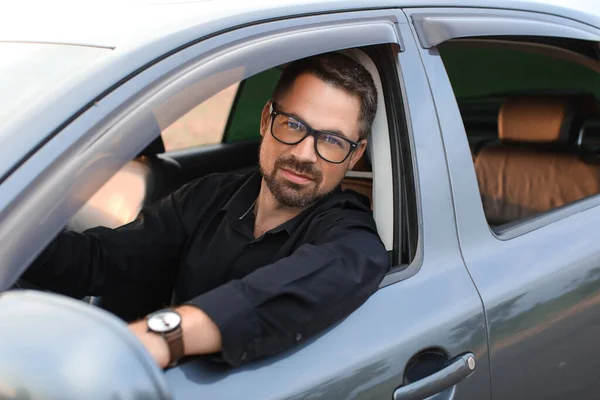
(341, 72)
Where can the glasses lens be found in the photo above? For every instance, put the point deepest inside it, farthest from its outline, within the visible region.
(287, 129)
(332, 148)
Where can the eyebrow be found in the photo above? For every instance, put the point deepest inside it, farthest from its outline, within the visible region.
(334, 131)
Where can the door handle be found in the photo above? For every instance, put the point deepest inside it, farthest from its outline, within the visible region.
(458, 370)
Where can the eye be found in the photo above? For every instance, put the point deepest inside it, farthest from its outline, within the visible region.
(294, 125)
(334, 140)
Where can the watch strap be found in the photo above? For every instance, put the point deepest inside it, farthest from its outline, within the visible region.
(174, 340)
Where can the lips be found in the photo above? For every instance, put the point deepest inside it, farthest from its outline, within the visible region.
(296, 177)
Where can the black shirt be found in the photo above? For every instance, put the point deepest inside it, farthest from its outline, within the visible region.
(264, 294)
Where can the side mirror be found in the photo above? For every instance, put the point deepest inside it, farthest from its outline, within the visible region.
(55, 347)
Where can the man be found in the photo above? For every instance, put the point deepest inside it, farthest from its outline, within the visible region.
(260, 261)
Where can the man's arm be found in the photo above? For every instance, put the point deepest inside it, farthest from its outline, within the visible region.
(286, 302)
(100, 259)
(200, 335)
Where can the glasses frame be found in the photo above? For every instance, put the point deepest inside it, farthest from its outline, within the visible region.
(311, 132)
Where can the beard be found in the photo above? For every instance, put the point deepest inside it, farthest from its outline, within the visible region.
(290, 194)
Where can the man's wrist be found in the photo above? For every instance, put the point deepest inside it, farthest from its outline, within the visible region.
(167, 324)
(162, 353)
(156, 345)
(202, 336)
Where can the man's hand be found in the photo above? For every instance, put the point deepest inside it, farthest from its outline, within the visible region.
(200, 335)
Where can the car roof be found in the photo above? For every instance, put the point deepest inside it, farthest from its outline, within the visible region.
(117, 23)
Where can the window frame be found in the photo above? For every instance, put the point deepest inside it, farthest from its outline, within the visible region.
(437, 25)
(405, 203)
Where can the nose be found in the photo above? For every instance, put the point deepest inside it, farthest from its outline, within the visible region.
(305, 150)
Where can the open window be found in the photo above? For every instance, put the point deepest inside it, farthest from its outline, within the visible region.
(530, 108)
(156, 172)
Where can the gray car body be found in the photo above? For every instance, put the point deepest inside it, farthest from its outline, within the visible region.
(467, 290)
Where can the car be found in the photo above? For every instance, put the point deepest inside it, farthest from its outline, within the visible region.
(482, 168)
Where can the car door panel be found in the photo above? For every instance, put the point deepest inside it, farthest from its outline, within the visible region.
(541, 296)
(539, 280)
(364, 357)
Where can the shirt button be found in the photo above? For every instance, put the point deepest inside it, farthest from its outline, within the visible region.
(298, 337)
(244, 356)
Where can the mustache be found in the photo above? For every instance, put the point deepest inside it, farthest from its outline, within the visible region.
(304, 168)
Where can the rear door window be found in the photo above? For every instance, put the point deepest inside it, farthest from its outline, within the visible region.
(530, 109)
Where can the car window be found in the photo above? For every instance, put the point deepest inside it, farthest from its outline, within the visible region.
(120, 199)
(530, 112)
(231, 115)
(203, 124)
(253, 94)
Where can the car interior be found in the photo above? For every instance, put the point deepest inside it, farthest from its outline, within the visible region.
(156, 172)
(531, 115)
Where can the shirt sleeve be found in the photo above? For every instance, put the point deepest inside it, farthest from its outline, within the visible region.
(102, 259)
(296, 297)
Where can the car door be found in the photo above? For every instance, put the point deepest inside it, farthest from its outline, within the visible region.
(406, 341)
(421, 334)
(538, 275)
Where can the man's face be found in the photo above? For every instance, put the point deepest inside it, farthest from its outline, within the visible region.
(295, 174)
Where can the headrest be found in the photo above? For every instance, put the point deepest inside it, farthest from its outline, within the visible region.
(543, 118)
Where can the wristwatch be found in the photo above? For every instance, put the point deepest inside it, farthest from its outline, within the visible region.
(167, 323)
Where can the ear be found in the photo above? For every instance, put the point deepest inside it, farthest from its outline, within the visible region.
(265, 118)
(357, 154)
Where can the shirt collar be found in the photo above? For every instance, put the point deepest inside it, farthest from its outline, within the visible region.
(244, 198)
(291, 225)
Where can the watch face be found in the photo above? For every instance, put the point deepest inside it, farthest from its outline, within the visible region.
(163, 321)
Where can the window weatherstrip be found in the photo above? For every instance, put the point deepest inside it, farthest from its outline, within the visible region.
(435, 27)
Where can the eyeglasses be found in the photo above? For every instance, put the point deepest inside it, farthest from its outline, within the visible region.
(329, 146)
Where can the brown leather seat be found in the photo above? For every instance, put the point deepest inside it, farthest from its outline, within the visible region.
(362, 184)
(534, 168)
